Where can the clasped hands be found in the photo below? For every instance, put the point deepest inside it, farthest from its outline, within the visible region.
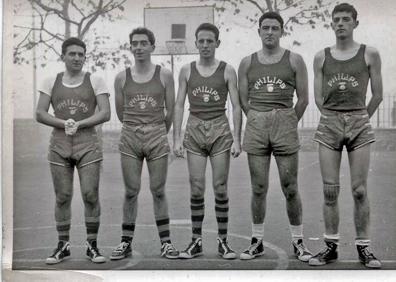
(71, 126)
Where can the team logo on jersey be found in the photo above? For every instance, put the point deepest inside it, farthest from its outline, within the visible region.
(206, 93)
(73, 106)
(269, 82)
(142, 101)
(341, 81)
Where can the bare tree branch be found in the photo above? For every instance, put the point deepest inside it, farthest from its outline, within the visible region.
(77, 8)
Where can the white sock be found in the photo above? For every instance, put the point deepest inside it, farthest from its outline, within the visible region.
(332, 237)
(258, 231)
(296, 231)
(362, 242)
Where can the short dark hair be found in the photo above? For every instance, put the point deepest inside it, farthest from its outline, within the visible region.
(72, 41)
(209, 27)
(143, 30)
(271, 15)
(345, 7)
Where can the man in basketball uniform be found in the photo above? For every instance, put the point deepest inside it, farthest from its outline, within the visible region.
(342, 73)
(142, 95)
(267, 82)
(74, 95)
(207, 83)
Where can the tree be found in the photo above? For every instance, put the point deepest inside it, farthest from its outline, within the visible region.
(294, 12)
(56, 20)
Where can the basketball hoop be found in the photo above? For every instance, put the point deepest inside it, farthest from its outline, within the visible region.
(176, 47)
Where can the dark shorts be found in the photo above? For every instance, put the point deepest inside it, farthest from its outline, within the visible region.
(81, 149)
(141, 141)
(351, 129)
(271, 132)
(207, 137)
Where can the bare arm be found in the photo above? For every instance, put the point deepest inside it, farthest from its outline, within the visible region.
(100, 116)
(374, 62)
(179, 109)
(169, 84)
(42, 115)
(243, 83)
(119, 95)
(318, 79)
(300, 69)
(231, 80)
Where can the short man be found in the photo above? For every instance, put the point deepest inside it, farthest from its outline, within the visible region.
(207, 83)
(74, 95)
(342, 73)
(267, 81)
(142, 94)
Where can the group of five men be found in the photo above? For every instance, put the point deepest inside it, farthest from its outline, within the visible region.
(264, 90)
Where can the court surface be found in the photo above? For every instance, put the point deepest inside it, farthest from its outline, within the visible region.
(35, 235)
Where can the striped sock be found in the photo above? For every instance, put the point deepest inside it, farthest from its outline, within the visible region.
(197, 216)
(163, 230)
(221, 208)
(92, 225)
(296, 232)
(128, 231)
(63, 228)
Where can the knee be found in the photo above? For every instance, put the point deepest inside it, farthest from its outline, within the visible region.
(158, 193)
(359, 192)
(259, 191)
(131, 192)
(197, 186)
(331, 192)
(63, 198)
(220, 189)
(290, 191)
(90, 197)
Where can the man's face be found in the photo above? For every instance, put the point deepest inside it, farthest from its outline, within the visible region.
(206, 43)
(343, 24)
(270, 32)
(141, 47)
(74, 58)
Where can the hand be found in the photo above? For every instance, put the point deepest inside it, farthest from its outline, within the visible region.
(71, 127)
(235, 149)
(178, 149)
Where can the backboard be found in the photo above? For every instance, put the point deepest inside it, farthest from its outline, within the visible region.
(174, 27)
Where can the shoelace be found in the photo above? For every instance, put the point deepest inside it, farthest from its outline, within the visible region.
(225, 246)
(122, 246)
(366, 252)
(325, 252)
(253, 246)
(301, 248)
(95, 251)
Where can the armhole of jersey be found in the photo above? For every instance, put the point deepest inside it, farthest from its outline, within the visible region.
(192, 67)
(363, 51)
(58, 80)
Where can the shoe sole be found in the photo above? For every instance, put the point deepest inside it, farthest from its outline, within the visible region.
(97, 261)
(50, 262)
(187, 256)
(303, 259)
(121, 257)
(233, 256)
(372, 267)
(319, 263)
(249, 257)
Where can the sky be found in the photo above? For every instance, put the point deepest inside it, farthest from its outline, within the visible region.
(376, 22)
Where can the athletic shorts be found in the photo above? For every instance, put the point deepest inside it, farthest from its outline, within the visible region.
(269, 132)
(351, 129)
(78, 150)
(141, 141)
(207, 137)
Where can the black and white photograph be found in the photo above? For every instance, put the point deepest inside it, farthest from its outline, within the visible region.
(198, 137)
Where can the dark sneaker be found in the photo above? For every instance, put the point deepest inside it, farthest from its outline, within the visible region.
(367, 258)
(224, 250)
(301, 251)
(328, 255)
(123, 250)
(60, 253)
(255, 249)
(93, 253)
(193, 250)
(169, 251)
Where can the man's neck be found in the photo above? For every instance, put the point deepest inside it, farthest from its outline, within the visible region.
(267, 52)
(143, 66)
(207, 62)
(73, 74)
(345, 43)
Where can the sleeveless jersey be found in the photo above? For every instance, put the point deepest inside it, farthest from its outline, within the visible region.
(345, 82)
(271, 86)
(207, 95)
(144, 102)
(77, 103)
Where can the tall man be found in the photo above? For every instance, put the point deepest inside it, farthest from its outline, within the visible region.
(267, 82)
(74, 95)
(342, 73)
(207, 82)
(142, 95)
